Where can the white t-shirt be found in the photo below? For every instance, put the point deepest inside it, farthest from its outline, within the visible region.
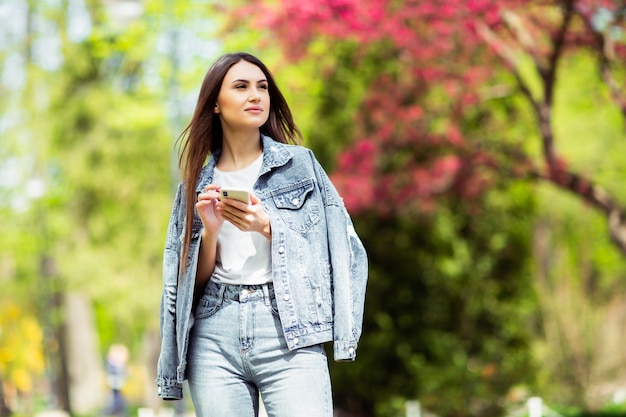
(243, 258)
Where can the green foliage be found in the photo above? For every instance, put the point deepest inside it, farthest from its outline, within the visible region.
(338, 99)
(589, 127)
(95, 134)
(112, 150)
(449, 304)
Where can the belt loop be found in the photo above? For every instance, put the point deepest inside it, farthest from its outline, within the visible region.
(266, 295)
(220, 293)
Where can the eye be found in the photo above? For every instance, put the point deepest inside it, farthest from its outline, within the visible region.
(263, 87)
(240, 86)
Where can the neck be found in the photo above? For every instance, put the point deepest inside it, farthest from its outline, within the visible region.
(239, 151)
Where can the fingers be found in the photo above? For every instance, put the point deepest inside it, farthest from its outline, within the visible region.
(234, 211)
(254, 199)
(208, 198)
(206, 206)
(245, 217)
(210, 193)
(213, 187)
(241, 223)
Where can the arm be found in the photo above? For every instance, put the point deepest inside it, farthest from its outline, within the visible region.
(212, 221)
(206, 258)
(168, 387)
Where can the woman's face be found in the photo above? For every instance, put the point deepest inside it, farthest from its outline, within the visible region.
(244, 101)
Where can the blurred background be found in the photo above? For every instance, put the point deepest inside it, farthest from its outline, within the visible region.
(479, 145)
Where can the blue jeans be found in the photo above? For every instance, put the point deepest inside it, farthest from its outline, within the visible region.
(237, 350)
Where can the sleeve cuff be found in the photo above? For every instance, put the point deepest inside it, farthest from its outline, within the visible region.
(169, 390)
(344, 351)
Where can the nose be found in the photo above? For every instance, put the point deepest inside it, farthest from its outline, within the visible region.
(255, 96)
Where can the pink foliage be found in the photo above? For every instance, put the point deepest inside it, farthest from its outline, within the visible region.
(355, 176)
(297, 22)
(432, 44)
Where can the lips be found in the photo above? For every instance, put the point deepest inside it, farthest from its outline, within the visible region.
(254, 109)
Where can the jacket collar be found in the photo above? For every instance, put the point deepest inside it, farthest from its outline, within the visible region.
(275, 154)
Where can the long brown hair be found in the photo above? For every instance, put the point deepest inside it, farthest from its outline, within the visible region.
(203, 134)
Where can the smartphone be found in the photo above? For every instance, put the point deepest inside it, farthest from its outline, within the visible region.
(236, 194)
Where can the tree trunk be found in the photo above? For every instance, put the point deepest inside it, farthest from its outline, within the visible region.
(85, 369)
(5, 411)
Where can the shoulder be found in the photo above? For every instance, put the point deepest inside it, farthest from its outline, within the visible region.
(270, 143)
(301, 157)
(278, 154)
(296, 151)
(300, 151)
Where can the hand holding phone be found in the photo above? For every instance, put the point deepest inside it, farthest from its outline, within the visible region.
(236, 194)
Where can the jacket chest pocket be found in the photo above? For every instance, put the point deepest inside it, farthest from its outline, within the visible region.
(298, 206)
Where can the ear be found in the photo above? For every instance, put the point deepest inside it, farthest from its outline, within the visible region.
(216, 109)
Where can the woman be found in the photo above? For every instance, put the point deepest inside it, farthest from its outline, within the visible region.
(253, 289)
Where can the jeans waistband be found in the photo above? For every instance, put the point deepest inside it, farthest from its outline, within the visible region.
(242, 293)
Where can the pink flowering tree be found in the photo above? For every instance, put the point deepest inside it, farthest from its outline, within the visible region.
(440, 63)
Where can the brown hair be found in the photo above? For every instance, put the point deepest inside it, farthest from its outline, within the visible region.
(203, 134)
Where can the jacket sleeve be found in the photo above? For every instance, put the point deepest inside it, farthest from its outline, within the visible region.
(349, 270)
(167, 382)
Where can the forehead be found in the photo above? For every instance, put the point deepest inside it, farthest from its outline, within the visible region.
(244, 70)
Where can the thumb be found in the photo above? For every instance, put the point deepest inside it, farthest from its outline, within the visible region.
(254, 199)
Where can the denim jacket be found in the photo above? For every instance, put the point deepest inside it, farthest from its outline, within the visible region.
(319, 264)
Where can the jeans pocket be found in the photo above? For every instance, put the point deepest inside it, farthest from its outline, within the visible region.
(207, 306)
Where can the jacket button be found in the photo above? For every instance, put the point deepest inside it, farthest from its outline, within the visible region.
(286, 297)
(281, 249)
(295, 341)
(295, 201)
(351, 350)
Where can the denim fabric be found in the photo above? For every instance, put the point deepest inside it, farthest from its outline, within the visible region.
(237, 349)
(319, 264)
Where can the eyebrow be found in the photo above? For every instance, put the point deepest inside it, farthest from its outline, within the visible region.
(246, 81)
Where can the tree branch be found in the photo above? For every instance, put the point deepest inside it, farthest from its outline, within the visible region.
(548, 75)
(584, 188)
(605, 48)
(597, 197)
(558, 42)
(589, 192)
